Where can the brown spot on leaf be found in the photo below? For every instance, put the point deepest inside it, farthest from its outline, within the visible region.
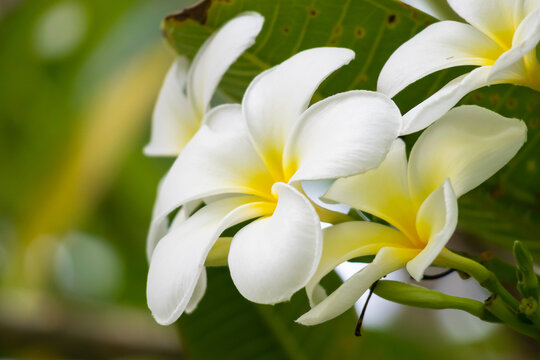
(495, 99)
(497, 192)
(533, 123)
(197, 12)
(286, 29)
(313, 12)
(359, 32)
(478, 97)
(414, 15)
(512, 103)
(391, 19)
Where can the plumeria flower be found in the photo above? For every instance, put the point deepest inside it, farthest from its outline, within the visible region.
(499, 36)
(247, 162)
(187, 90)
(417, 199)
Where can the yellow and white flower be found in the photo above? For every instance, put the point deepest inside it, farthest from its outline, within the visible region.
(499, 36)
(418, 199)
(187, 90)
(247, 162)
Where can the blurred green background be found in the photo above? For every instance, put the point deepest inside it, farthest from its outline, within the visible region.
(78, 79)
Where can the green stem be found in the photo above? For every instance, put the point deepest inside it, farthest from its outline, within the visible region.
(485, 278)
(413, 295)
(497, 307)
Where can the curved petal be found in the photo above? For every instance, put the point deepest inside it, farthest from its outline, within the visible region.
(272, 258)
(439, 46)
(515, 65)
(468, 145)
(343, 135)
(438, 104)
(387, 260)
(173, 120)
(178, 259)
(436, 222)
(349, 240)
(218, 160)
(198, 292)
(495, 18)
(215, 56)
(275, 99)
(383, 192)
(439, 9)
(183, 214)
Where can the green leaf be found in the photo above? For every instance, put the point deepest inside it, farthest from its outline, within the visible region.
(227, 326)
(504, 209)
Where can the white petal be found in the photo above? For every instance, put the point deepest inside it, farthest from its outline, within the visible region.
(178, 259)
(468, 145)
(349, 240)
(198, 292)
(218, 160)
(183, 214)
(439, 46)
(272, 258)
(387, 260)
(495, 18)
(173, 120)
(436, 222)
(218, 53)
(343, 135)
(530, 5)
(510, 66)
(275, 99)
(438, 104)
(383, 192)
(439, 9)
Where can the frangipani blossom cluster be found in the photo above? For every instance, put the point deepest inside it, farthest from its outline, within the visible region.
(245, 162)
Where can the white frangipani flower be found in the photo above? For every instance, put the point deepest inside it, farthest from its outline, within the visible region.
(247, 162)
(418, 199)
(187, 90)
(499, 36)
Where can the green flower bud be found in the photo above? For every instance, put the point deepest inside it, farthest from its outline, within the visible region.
(527, 279)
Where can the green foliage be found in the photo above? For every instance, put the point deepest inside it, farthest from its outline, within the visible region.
(227, 326)
(503, 209)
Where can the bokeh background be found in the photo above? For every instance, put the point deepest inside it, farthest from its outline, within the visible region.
(78, 79)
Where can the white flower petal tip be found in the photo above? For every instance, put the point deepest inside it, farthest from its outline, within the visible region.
(438, 9)
(217, 54)
(274, 257)
(275, 99)
(467, 145)
(388, 259)
(173, 122)
(176, 279)
(438, 104)
(345, 134)
(437, 47)
(185, 95)
(436, 221)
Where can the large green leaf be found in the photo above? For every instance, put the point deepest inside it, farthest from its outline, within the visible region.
(227, 326)
(505, 208)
